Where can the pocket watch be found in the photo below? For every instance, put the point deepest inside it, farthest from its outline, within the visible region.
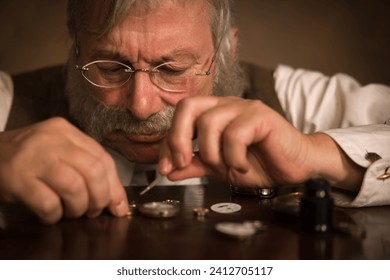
(159, 209)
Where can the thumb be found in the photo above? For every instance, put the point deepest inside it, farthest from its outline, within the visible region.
(119, 205)
(195, 169)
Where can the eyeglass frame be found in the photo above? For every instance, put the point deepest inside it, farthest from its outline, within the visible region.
(128, 69)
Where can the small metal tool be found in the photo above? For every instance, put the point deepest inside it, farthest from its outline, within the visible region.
(156, 181)
(152, 184)
(200, 212)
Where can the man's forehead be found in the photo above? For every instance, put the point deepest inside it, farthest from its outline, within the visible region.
(166, 31)
(103, 15)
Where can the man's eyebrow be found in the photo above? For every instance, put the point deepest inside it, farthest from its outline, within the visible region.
(109, 55)
(175, 55)
(179, 54)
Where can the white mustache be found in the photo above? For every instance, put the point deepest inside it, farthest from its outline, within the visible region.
(122, 119)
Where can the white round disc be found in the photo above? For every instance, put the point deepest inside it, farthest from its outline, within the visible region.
(226, 207)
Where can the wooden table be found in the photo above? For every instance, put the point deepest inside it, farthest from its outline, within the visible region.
(22, 236)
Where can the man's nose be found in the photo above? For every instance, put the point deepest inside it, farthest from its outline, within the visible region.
(143, 98)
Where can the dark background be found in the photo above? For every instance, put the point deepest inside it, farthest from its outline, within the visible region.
(350, 36)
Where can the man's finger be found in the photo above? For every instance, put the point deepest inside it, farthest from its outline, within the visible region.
(195, 169)
(183, 128)
(70, 186)
(42, 200)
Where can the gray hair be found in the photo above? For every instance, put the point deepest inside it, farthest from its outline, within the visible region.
(112, 11)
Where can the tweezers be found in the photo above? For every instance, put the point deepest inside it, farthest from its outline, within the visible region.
(152, 184)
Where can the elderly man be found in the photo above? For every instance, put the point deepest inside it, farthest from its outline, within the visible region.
(145, 78)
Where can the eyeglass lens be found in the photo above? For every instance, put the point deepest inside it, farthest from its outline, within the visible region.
(111, 74)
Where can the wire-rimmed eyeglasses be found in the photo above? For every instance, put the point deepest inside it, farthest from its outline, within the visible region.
(168, 76)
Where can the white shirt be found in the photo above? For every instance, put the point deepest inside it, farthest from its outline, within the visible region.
(131, 174)
(315, 102)
(312, 102)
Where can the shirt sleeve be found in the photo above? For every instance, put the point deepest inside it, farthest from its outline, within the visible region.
(6, 96)
(355, 116)
(357, 142)
(315, 102)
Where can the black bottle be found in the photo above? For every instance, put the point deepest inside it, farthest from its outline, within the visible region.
(316, 210)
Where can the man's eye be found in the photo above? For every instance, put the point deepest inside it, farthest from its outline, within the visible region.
(111, 69)
(172, 70)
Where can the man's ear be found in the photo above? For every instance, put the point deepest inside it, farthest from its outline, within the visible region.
(234, 40)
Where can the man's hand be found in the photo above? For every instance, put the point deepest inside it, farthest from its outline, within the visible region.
(56, 170)
(248, 144)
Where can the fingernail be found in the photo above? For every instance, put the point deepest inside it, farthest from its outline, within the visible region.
(164, 166)
(121, 209)
(179, 160)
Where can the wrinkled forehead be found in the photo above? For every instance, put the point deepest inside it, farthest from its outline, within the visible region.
(99, 19)
(148, 31)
